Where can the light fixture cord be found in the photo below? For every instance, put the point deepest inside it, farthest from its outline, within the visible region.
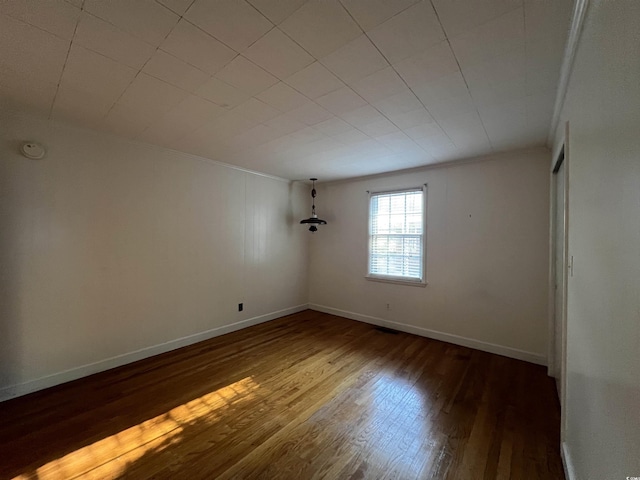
(313, 198)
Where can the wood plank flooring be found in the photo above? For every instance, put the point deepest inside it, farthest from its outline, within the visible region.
(303, 397)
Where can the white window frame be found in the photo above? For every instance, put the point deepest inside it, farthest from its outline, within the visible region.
(421, 282)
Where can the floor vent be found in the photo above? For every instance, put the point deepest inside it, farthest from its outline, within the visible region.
(387, 330)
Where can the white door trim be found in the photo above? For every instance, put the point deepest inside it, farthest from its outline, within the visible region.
(561, 156)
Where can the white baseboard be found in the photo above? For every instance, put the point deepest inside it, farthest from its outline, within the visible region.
(82, 371)
(445, 337)
(567, 462)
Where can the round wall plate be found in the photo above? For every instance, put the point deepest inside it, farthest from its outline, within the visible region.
(33, 150)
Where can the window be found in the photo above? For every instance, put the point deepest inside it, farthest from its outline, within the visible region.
(396, 236)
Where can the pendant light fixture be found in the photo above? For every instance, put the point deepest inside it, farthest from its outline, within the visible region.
(313, 220)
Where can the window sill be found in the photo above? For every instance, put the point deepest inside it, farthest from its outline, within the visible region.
(397, 281)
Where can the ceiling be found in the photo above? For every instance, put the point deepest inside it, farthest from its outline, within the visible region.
(293, 88)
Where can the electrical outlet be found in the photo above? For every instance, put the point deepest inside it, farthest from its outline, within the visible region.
(240, 307)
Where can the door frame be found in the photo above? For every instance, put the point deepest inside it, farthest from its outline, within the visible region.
(559, 158)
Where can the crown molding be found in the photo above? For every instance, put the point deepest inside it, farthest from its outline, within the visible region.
(577, 21)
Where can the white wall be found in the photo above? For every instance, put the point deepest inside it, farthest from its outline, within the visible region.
(110, 246)
(487, 255)
(602, 437)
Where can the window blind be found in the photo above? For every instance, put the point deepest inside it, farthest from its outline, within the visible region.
(395, 234)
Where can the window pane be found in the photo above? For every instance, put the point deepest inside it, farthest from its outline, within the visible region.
(395, 266)
(396, 229)
(414, 223)
(414, 203)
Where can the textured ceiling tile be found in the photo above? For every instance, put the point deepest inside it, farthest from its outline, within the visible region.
(164, 133)
(54, 16)
(321, 27)
(96, 74)
(29, 51)
(408, 33)
(333, 126)
(174, 71)
(151, 96)
(384, 83)
(246, 76)
(177, 6)
(351, 137)
(283, 97)
(277, 10)
(102, 37)
(466, 131)
(371, 149)
(446, 97)
(540, 108)
(362, 116)
(305, 136)
(506, 124)
(341, 101)
(126, 121)
(499, 80)
(278, 54)
(459, 16)
(370, 13)
(202, 146)
(400, 143)
(252, 137)
(355, 60)
(195, 47)
(310, 114)
(492, 39)
(221, 94)
(545, 29)
(225, 126)
(233, 22)
(440, 148)
(431, 137)
(256, 110)
(398, 104)
(314, 81)
(187, 116)
(542, 67)
(410, 119)
(33, 94)
(144, 19)
(194, 111)
(379, 127)
(424, 130)
(285, 125)
(428, 65)
(80, 106)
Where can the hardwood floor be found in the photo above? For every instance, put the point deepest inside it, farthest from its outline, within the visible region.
(305, 396)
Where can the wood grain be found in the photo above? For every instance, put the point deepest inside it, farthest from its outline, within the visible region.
(307, 396)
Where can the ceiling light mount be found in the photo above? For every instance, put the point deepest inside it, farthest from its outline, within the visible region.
(33, 150)
(313, 220)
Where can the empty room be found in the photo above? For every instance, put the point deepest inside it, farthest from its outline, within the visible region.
(320, 239)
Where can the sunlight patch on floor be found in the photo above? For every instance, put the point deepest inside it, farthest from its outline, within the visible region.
(111, 456)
